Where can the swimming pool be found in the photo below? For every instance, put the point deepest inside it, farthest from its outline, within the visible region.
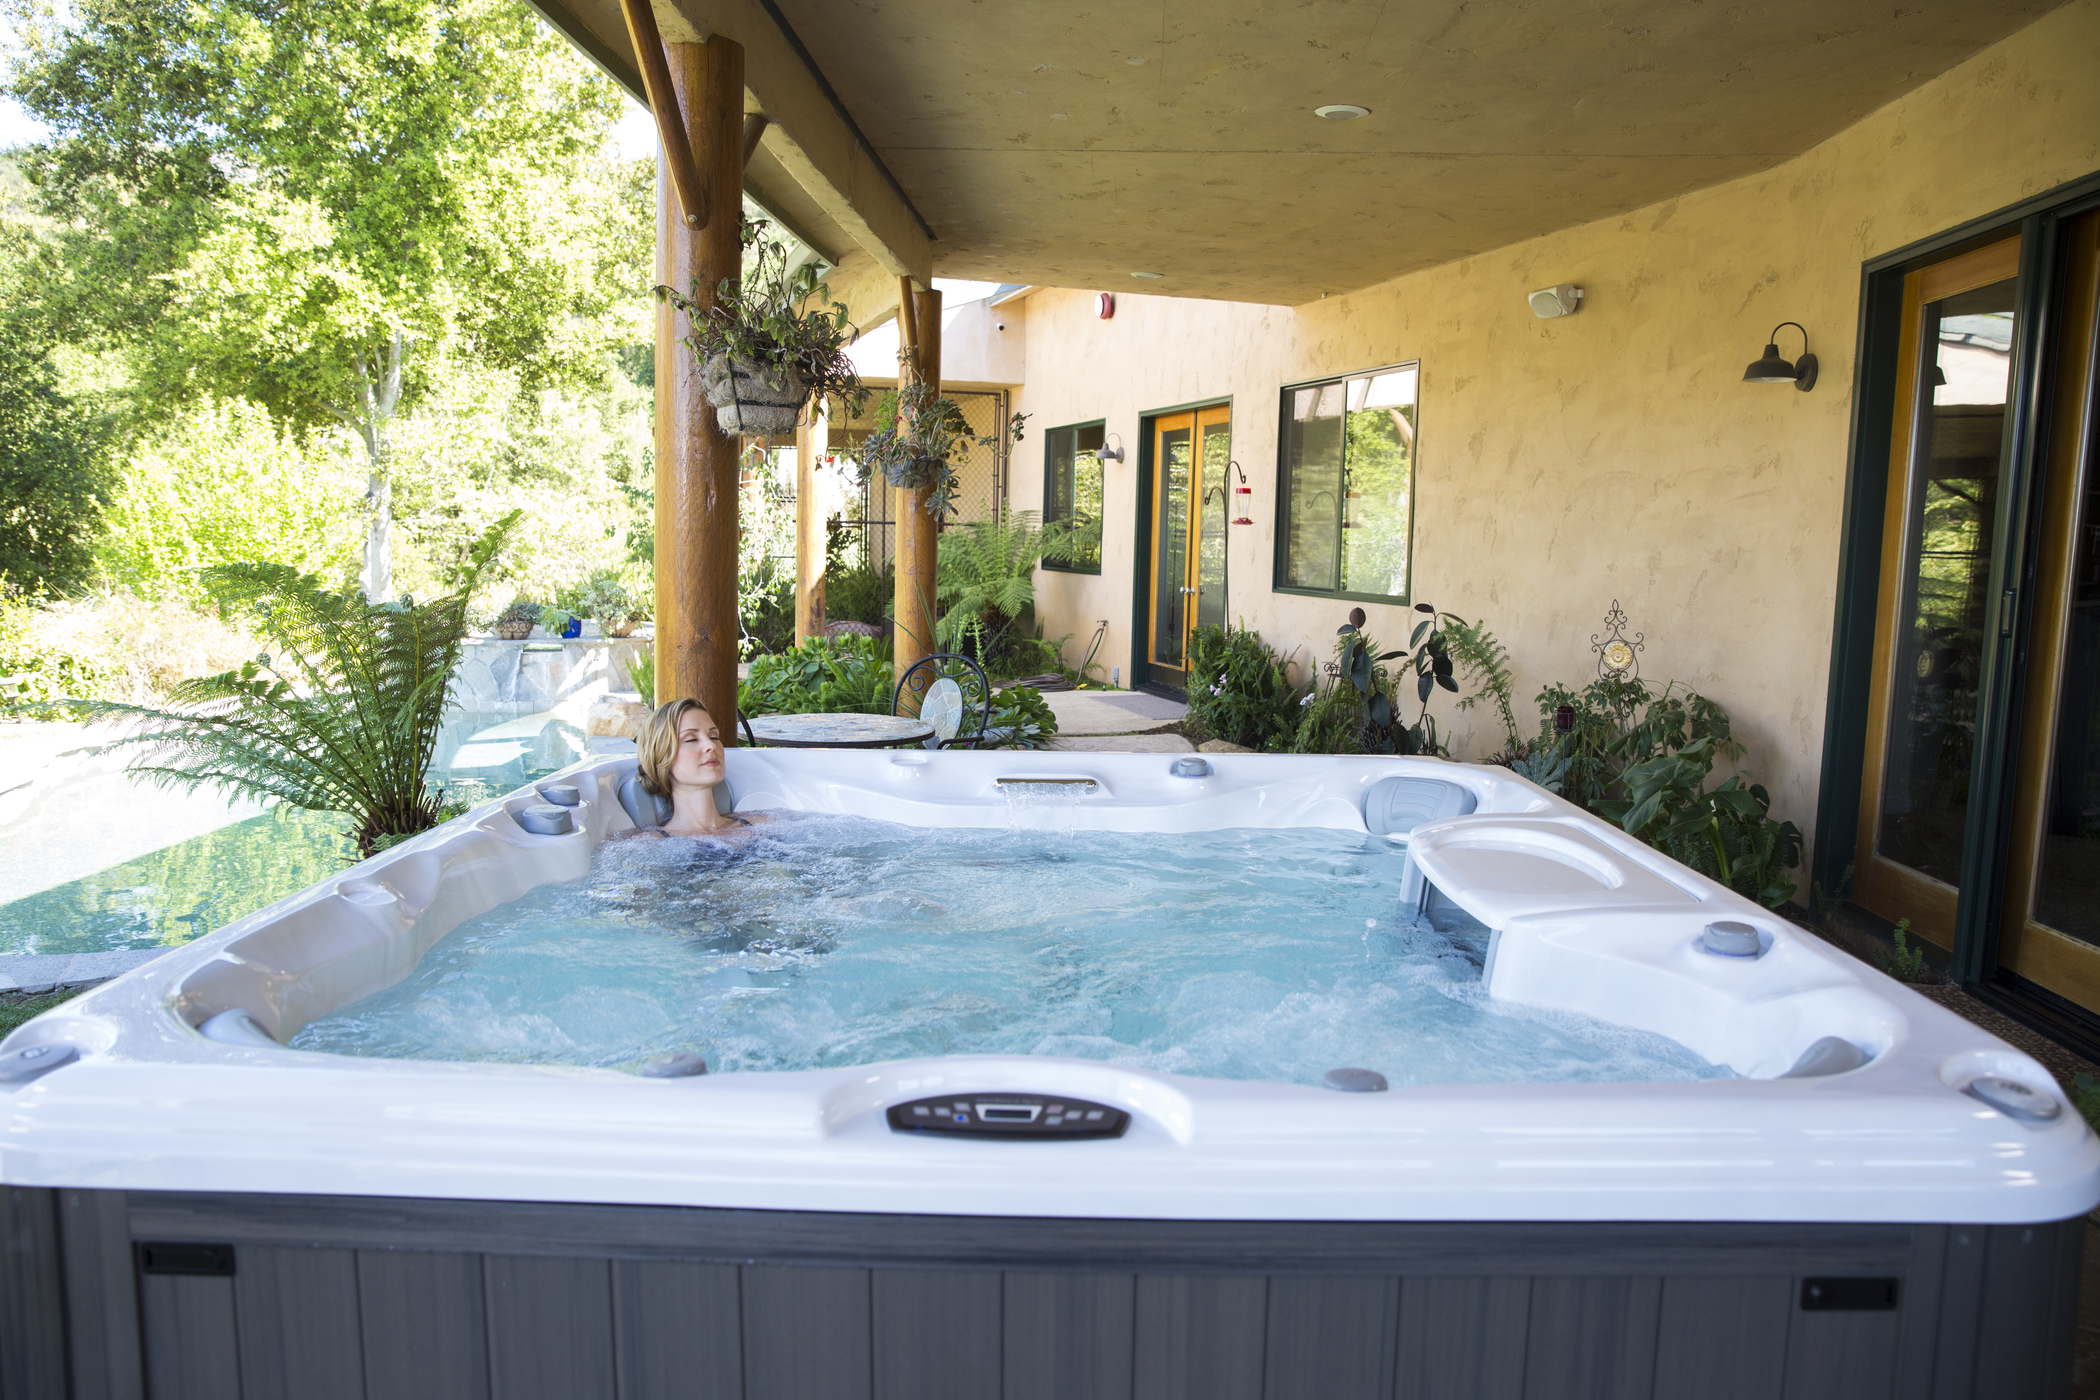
(1839, 1213)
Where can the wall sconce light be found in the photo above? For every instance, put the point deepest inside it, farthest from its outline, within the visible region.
(1104, 454)
(1243, 489)
(1772, 368)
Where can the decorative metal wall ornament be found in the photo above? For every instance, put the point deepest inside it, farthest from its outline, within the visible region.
(1617, 655)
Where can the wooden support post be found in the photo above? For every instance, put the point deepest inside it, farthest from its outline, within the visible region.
(812, 441)
(696, 463)
(918, 534)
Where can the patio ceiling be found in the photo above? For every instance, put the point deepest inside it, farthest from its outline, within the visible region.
(1074, 145)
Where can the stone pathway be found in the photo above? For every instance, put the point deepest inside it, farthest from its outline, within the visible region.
(1116, 721)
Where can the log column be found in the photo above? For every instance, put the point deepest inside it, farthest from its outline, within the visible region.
(696, 463)
(812, 441)
(918, 535)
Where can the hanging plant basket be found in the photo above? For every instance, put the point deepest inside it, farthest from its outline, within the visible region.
(753, 400)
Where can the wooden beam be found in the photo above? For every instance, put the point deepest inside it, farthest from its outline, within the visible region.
(918, 534)
(696, 463)
(671, 133)
(754, 127)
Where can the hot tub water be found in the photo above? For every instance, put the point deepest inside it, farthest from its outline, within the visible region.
(821, 941)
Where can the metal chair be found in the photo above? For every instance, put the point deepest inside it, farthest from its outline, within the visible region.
(948, 687)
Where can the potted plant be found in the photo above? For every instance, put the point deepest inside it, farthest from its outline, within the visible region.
(606, 598)
(769, 341)
(515, 623)
(916, 447)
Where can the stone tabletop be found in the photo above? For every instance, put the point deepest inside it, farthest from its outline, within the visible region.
(837, 731)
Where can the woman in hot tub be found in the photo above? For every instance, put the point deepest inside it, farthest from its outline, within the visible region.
(679, 756)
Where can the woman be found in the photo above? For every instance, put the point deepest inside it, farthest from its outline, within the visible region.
(679, 756)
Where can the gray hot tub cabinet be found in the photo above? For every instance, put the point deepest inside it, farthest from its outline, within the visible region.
(109, 1295)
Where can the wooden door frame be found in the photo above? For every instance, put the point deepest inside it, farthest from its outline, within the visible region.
(1141, 532)
(1881, 884)
(2001, 692)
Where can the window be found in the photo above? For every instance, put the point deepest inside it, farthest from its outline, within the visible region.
(1347, 484)
(1072, 492)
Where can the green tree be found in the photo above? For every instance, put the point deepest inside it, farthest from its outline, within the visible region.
(54, 475)
(324, 207)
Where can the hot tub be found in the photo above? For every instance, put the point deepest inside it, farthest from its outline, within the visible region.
(1877, 1198)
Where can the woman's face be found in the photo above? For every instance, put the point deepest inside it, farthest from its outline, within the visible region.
(699, 760)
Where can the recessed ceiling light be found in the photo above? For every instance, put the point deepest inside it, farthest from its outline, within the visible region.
(1148, 274)
(1342, 112)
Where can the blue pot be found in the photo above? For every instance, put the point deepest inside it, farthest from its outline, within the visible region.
(574, 629)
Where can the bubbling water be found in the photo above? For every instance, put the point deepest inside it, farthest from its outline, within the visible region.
(817, 942)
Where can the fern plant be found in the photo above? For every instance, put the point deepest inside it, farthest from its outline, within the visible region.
(1486, 664)
(986, 576)
(341, 715)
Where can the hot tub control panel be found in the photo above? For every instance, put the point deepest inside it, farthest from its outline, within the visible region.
(1009, 1116)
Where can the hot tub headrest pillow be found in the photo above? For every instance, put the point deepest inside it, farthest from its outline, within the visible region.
(1396, 806)
(645, 808)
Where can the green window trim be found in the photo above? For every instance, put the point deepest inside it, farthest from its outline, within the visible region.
(1346, 448)
(1074, 487)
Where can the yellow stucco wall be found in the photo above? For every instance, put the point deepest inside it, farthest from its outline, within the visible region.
(1615, 453)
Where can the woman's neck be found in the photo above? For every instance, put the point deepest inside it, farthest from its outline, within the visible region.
(693, 811)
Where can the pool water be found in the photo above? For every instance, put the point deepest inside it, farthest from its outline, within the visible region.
(92, 859)
(821, 941)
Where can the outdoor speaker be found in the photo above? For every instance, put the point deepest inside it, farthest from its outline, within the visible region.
(1564, 300)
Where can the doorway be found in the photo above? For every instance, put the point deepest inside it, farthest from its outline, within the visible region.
(1962, 750)
(1189, 454)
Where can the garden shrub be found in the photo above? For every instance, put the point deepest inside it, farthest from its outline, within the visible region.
(824, 675)
(1240, 691)
(1021, 719)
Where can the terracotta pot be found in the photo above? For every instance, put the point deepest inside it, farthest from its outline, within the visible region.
(751, 401)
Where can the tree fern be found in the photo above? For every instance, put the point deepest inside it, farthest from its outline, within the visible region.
(986, 577)
(341, 715)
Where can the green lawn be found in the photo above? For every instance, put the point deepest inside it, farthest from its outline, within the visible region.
(17, 1007)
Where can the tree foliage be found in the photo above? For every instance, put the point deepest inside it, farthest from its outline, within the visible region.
(55, 480)
(325, 207)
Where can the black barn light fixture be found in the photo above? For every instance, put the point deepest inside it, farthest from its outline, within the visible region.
(1774, 368)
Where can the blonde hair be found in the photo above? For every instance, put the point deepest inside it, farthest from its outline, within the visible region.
(656, 748)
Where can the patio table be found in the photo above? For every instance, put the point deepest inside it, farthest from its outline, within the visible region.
(840, 731)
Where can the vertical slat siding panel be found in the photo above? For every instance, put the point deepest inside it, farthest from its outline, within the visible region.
(1844, 1355)
(1462, 1337)
(1592, 1338)
(806, 1333)
(102, 1319)
(936, 1334)
(32, 1297)
(1200, 1337)
(1960, 1313)
(1068, 1336)
(550, 1327)
(298, 1318)
(678, 1329)
(2019, 1274)
(1331, 1337)
(425, 1326)
(2071, 1240)
(1723, 1338)
(1918, 1332)
(192, 1342)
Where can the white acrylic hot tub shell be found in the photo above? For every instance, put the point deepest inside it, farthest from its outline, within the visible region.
(153, 1105)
